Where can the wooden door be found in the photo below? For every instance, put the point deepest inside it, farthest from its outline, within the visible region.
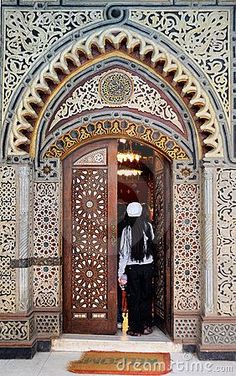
(90, 253)
(162, 261)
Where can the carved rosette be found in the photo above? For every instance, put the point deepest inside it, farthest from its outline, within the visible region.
(116, 87)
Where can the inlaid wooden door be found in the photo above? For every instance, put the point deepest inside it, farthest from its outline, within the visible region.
(162, 260)
(90, 253)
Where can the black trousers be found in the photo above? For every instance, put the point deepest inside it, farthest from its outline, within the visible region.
(139, 296)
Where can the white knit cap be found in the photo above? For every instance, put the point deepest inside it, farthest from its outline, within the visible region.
(134, 209)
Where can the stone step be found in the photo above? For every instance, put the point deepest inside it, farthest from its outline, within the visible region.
(155, 342)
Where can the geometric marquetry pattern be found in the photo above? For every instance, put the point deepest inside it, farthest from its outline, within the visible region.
(46, 219)
(46, 241)
(47, 324)
(29, 34)
(219, 334)
(7, 238)
(48, 169)
(187, 266)
(209, 48)
(187, 327)
(7, 194)
(226, 241)
(66, 143)
(89, 239)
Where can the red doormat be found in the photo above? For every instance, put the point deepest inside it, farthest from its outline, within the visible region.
(121, 363)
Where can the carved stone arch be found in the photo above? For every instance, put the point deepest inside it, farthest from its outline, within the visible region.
(78, 54)
(71, 140)
(152, 102)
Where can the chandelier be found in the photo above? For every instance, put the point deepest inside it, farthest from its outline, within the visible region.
(127, 155)
(128, 172)
(128, 160)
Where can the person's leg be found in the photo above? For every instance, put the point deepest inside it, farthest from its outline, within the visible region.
(119, 305)
(146, 295)
(133, 299)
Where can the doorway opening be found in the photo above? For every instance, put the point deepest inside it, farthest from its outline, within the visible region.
(144, 177)
(97, 178)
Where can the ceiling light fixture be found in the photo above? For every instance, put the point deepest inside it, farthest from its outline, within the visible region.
(127, 172)
(128, 156)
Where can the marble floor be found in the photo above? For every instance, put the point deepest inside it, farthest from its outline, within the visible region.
(54, 364)
(157, 341)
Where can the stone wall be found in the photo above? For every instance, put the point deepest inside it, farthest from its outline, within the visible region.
(204, 207)
(187, 253)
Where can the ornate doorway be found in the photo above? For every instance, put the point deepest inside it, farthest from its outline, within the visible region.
(90, 237)
(90, 194)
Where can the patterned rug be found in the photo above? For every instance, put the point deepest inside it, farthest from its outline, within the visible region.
(121, 363)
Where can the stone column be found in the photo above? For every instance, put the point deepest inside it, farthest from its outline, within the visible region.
(23, 261)
(17, 319)
(208, 235)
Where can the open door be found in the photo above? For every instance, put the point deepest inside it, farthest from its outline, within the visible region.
(89, 239)
(162, 259)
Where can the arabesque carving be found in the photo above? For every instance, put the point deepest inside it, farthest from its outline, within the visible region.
(226, 241)
(65, 144)
(202, 34)
(32, 33)
(22, 126)
(140, 96)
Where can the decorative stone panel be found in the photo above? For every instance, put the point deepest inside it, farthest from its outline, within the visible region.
(219, 334)
(32, 104)
(46, 286)
(209, 47)
(7, 193)
(7, 238)
(48, 325)
(48, 170)
(31, 33)
(47, 244)
(46, 219)
(17, 330)
(226, 241)
(102, 91)
(187, 328)
(187, 256)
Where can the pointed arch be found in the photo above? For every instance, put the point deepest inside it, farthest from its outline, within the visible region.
(76, 55)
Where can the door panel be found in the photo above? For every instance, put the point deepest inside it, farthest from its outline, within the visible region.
(90, 195)
(162, 261)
